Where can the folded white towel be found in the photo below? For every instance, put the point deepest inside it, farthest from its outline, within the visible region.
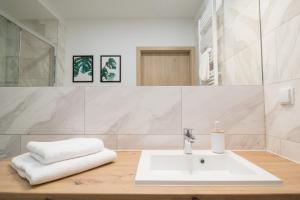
(50, 152)
(37, 173)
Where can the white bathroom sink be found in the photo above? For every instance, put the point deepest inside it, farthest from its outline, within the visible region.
(203, 167)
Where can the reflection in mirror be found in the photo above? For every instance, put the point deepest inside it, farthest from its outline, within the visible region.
(9, 53)
(27, 57)
(160, 42)
(229, 43)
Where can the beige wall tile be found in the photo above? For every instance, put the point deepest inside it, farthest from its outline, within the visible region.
(281, 45)
(245, 142)
(288, 48)
(150, 142)
(239, 109)
(9, 146)
(42, 110)
(282, 121)
(110, 141)
(241, 22)
(130, 117)
(235, 8)
(273, 144)
(270, 69)
(290, 150)
(244, 68)
(133, 110)
(276, 12)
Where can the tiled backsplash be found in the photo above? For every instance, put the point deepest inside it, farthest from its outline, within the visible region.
(282, 121)
(281, 50)
(131, 117)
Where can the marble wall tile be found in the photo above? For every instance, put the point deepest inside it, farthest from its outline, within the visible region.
(273, 144)
(41, 110)
(282, 121)
(243, 68)
(239, 44)
(9, 146)
(276, 12)
(245, 142)
(281, 50)
(133, 117)
(288, 48)
(239, 37)
(110, 141)
(133, 110)
(244, 30)
(233, 142)
(239, 109)
(291, 150)
(235, 8)
(138, 142)
(270, 68)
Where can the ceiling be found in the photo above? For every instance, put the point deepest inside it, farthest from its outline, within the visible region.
(26, 9)
(98, 9)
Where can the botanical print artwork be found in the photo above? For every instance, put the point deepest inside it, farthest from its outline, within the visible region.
(110, 69)
(82, 68)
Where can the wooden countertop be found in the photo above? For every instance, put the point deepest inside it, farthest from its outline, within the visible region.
(116, 181)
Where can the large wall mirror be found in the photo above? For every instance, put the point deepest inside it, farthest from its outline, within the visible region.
(157, 42)
(27, 55)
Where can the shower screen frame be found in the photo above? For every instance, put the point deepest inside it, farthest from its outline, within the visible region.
(37, 36)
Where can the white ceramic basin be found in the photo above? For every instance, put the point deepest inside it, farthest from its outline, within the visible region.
(173, 167)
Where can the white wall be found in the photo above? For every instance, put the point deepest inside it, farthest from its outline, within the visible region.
(121, 37)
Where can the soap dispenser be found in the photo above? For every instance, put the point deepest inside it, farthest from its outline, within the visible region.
(217, 139)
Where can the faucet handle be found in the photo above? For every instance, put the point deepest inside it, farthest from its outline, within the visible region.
(188, 134)
(187, 131)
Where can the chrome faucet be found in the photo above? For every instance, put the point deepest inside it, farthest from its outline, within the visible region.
(188, 139)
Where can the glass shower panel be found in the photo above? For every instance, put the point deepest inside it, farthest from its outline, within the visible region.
(9, 53)
(36, 61)
(25, 60)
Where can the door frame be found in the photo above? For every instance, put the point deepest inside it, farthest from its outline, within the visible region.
(189, 50)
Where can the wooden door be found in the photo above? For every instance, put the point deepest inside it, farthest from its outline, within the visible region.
(165, 66)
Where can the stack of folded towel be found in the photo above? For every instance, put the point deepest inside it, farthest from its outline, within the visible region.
(48, 161)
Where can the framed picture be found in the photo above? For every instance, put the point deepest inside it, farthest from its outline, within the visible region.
(110, 68)
(83, 68)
